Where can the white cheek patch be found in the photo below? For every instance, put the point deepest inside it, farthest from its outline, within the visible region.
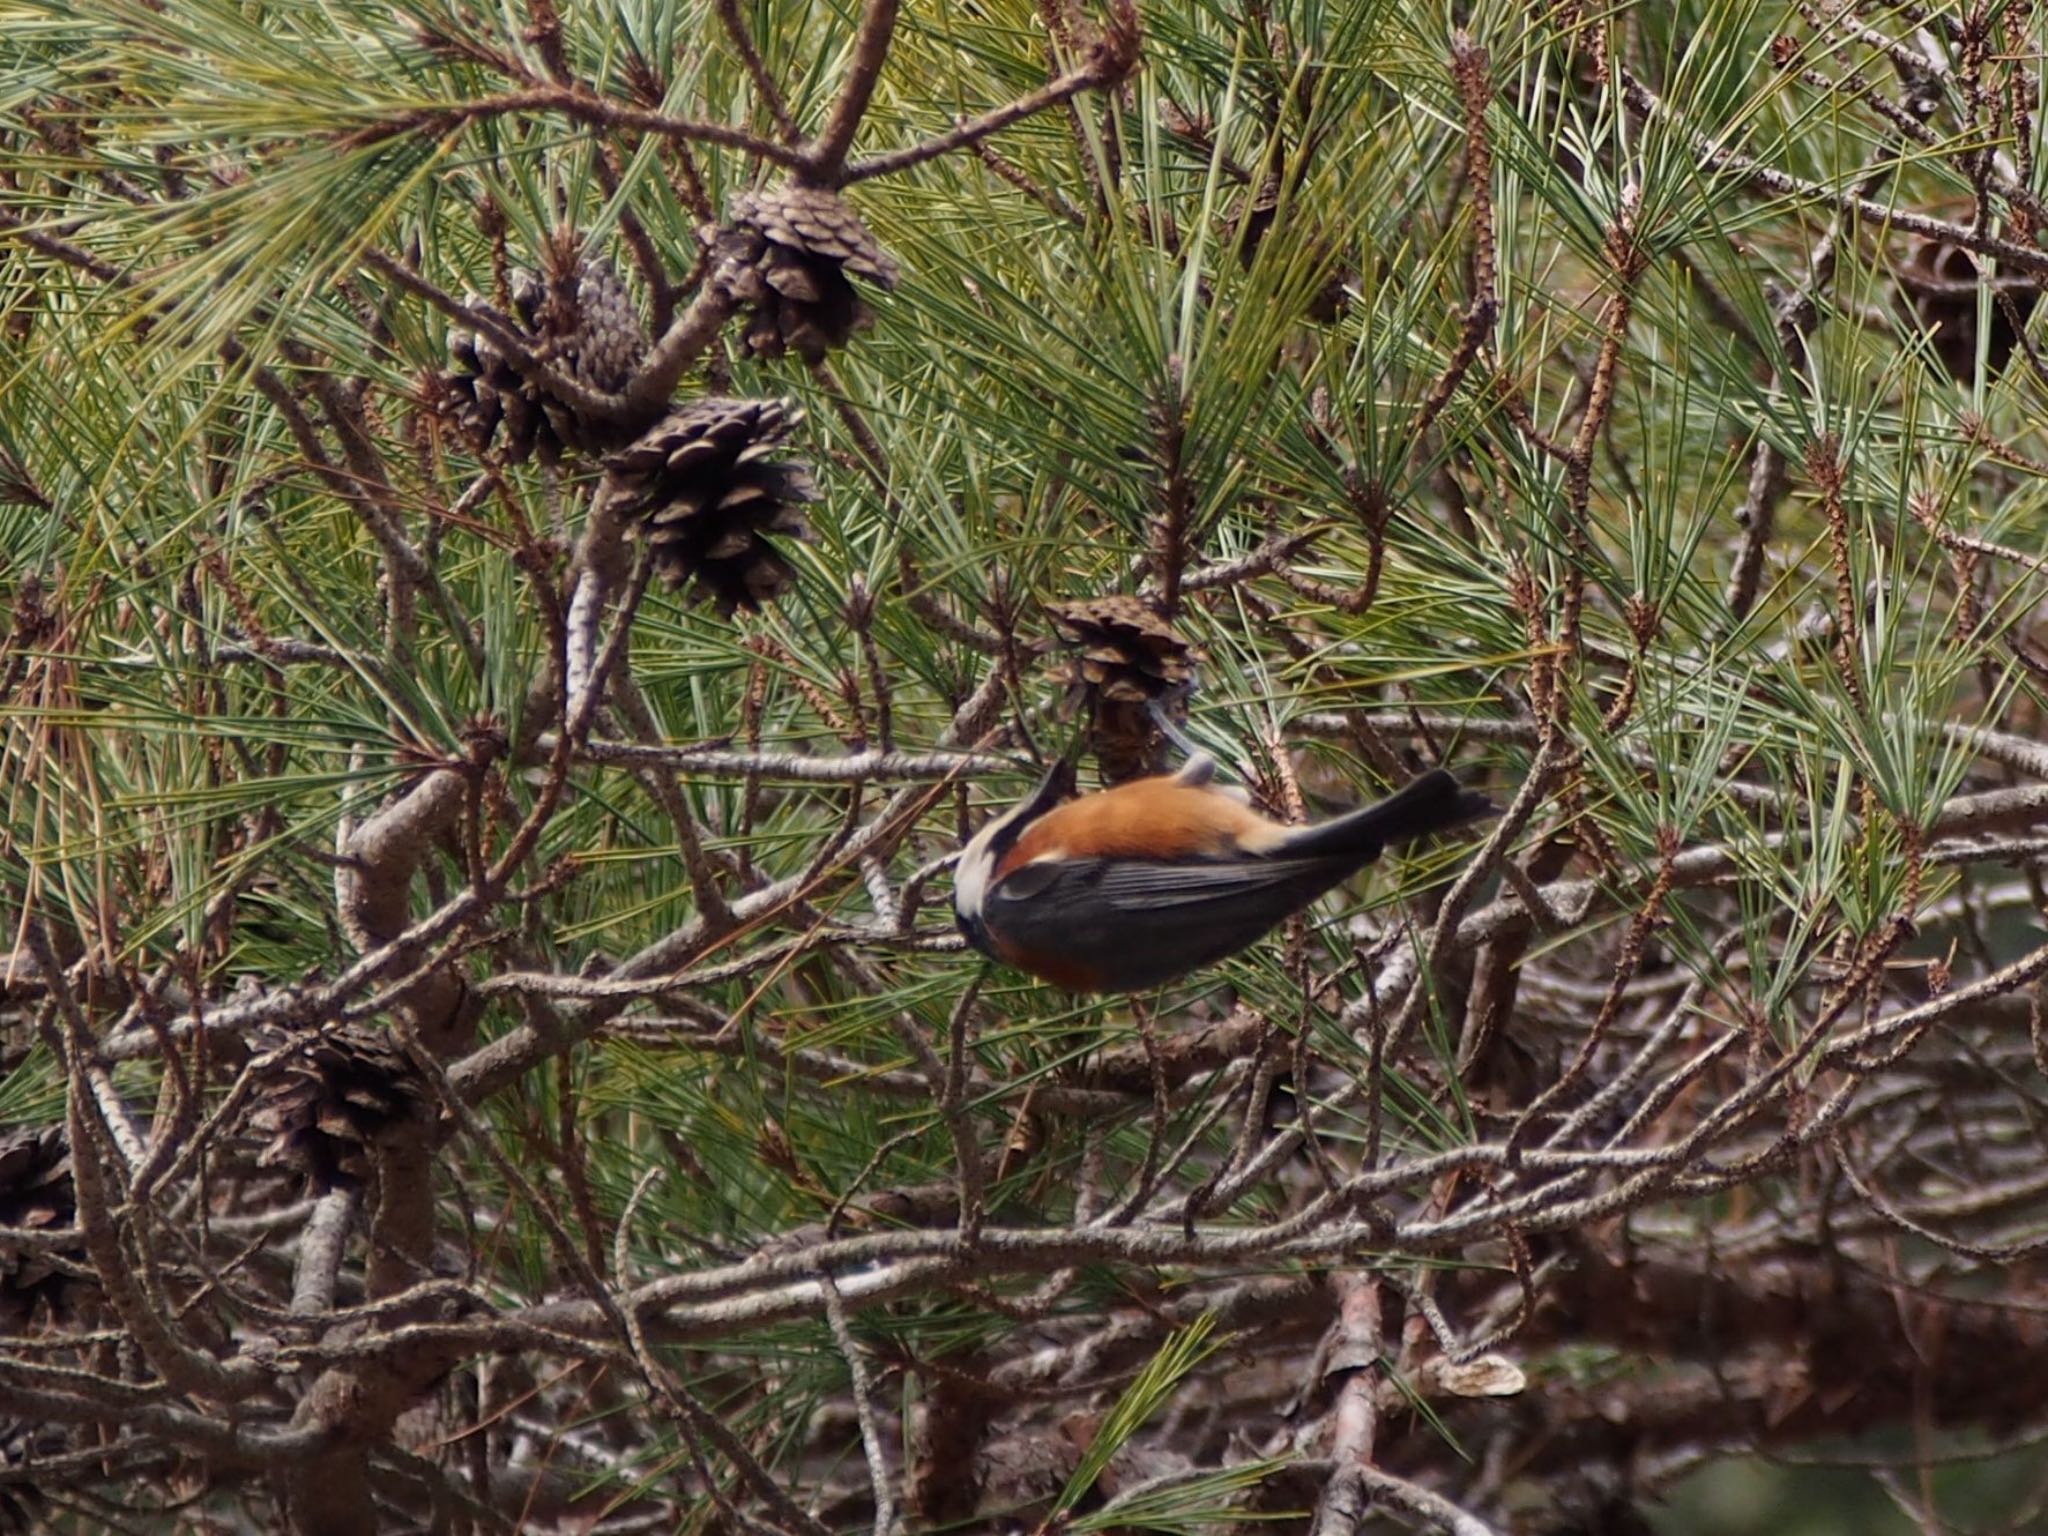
(971, 871)
(970, 876)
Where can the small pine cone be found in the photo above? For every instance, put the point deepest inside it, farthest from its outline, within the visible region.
(590, 330)
(786, 254)
(485, 391)
(597, 332)
(581, 320)
(35, 1192)
(1254, 221)
(1940, 283)
(1127, 662)
(707, 497)
(328, 1095)
(1123, 650)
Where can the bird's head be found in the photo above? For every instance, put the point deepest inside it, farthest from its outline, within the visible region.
(975, 870)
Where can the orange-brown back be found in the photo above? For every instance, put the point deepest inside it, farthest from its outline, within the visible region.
(1160, 818)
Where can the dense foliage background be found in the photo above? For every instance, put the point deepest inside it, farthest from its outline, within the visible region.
(485, 1045)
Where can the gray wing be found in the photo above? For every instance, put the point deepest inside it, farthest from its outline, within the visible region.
(1137, 923)
(1138, 885)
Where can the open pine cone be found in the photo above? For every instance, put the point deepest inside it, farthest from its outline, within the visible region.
(787, 254)
(707, 497)
(1125, 662)
(327, 1095)
(581, 320)
(1940, 283)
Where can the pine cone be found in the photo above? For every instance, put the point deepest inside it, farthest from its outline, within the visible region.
(707, 496)
(787, 254)
(580, 320)
(35, 1192)
(328, 1095)
(1127, 662)
(1941, 282)
(1254, 220)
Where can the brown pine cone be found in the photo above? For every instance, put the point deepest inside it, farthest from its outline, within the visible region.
(707, 497)
(1941, 283)
(327, 1095)
(786, 254)
(1126, 662)
(580, 320)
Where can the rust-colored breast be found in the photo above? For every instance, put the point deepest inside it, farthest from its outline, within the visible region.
(1159, 818)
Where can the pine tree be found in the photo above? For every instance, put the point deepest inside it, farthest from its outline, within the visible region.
(483, 1040)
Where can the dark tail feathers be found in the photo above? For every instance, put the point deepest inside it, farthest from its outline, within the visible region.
(1432, 802)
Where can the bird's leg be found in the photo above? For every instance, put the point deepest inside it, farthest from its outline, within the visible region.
(1170, 728)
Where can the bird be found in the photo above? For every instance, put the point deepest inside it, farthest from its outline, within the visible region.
(1127, 888)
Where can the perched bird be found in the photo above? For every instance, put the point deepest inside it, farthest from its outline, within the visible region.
(1133, 886)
